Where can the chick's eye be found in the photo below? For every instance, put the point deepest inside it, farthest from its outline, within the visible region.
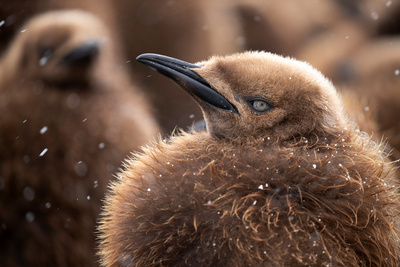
(259, 105)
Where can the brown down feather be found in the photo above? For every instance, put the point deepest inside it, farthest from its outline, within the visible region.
(299, 185)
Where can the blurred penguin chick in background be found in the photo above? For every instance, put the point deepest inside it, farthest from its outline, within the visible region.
(70, 114)
(371, 96)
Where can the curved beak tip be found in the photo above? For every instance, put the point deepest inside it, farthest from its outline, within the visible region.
(182, 73)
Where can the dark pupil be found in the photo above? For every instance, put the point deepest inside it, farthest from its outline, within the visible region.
(260, 105)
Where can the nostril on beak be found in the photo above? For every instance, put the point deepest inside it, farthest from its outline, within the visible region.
(82, 54)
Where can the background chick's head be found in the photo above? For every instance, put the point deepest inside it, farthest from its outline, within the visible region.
(58, 47)
(257, 94)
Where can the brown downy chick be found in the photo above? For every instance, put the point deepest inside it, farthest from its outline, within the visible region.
(69, 116)
(376, 78)
(280, 178)
(284, 27)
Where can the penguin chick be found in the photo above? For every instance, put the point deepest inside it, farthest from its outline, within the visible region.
(60, 54)
(70, 114)
(280, 177)
(263, 21)
(229, 109)
(376, 67)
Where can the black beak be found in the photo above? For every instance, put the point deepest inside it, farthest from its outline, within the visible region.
(180, 71)
(83, 54)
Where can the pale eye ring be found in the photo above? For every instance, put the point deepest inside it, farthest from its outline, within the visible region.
(259, 105)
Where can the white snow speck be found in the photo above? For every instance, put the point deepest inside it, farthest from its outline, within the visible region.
(209, 202)
(24, 30)
(101, 145)
(374, 15)
(148, 189)
(43, 152)
(340, 165)
(85, 119)
(30, 216)
(396, 72)
(96, 184)
(255, 202)
(43, 61)
(261, 187)
(388, 3)
(314, 166)
(43, 130)
(366, 109)
(88, 197)
(24, 121)
(191, 116)
(47, 205)
(45, 58)
(2, 23)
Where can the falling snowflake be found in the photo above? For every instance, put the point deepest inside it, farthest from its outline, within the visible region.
(43, 152)
(43, 130)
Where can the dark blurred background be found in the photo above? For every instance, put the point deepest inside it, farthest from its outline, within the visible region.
(326, 33)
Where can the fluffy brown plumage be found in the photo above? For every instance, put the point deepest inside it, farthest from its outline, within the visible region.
(280, 178)
(69, 116)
